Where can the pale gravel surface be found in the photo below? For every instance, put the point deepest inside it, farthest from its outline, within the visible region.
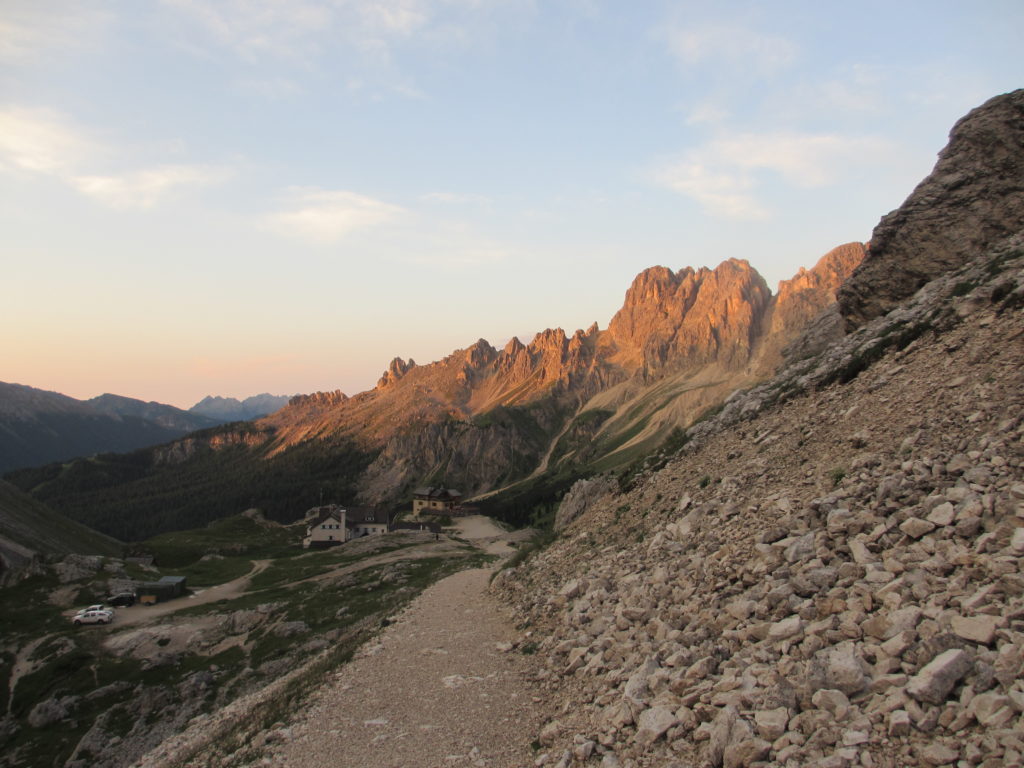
(432, 690)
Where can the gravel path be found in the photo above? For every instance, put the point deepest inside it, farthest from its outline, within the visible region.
(432, 690)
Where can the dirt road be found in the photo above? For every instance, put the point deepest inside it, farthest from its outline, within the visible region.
(140, 614)
(488, 535)
(433, 689)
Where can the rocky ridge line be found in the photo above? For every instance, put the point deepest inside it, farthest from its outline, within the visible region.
(723, 324)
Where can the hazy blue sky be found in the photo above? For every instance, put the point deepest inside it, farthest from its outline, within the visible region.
(228, 197)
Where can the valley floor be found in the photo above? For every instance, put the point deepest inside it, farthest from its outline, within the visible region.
(440, 686)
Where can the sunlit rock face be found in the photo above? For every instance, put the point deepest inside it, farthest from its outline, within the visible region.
(717, 329)
(971, 200)
(803, 319)
(690, 316)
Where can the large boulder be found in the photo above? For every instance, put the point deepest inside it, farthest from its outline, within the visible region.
(582, 494)
(973, 199)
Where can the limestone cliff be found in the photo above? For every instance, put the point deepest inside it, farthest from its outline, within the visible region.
(689, 317)
(972, 199)
(802, 318)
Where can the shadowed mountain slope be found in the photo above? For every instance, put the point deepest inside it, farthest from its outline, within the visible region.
(38, 426)
(28, 528)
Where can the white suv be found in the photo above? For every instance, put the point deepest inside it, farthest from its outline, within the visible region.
(92, 616)
(98, 607)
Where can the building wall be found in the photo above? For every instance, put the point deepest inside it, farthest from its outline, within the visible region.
(367, 529)
(432, 504)
(329, 530)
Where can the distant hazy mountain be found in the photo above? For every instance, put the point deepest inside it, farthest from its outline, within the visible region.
(38, 427)
(165, 415)
(225, 409)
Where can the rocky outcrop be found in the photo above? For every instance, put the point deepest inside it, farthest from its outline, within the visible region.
(582, 495)
(326, 399)
(396, 370)
(972, 199)
(220, 438)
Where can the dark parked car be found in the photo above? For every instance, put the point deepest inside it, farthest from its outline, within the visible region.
(122, 599)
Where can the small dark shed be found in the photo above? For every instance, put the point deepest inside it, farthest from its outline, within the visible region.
(168, 588)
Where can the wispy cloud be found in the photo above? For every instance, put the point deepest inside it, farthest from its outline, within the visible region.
(454, 198)
(145, 188)
(16, 40)
(736, 46)
(324, 216)
(40, 140)
(32, 30)
(707, 113)
(43, 142)
(301, 29)
(725, 175)
(857, 88)
(720, 191)
(255, 28)
(401, 17)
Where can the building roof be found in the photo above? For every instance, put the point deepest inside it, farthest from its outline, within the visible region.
(317, 515)
(431, 492)
(360, 515)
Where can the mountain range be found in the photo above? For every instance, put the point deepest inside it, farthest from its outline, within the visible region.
(514, 427)
(38, 427)
(529, 415)
(482, 418)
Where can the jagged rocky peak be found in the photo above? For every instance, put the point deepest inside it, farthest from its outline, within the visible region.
(803, 319)
(513, 347)
(831, 271)
(337, 397)
(581, 338)
(971, 200)
(475, 359)
(480, 354)
(805, 294)
(549, 340)
(396, 370)
(690, 316)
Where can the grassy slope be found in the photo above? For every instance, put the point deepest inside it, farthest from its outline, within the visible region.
(135, 496)
(33, 524)
(74, 662)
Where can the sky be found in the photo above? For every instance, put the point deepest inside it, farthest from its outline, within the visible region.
(228, 197)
